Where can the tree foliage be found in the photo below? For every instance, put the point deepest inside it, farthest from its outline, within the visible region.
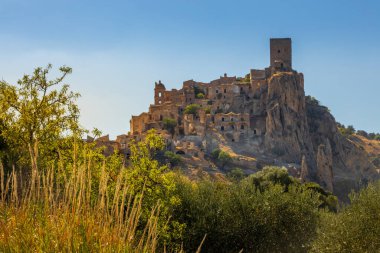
(37, 112)
(354, 229)
(192, 109)
(239, 217)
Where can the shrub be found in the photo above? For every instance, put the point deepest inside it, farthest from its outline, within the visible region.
(200, 96)
(215, 153)
(362, 133)
(169, 125)
(346, 131)
(236, 175)
(356, 228)
(172, 158)
(271, 175)
(238, 217)
(192, 109)
(224, 158)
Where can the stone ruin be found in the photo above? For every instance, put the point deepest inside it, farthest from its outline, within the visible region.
(232, 107)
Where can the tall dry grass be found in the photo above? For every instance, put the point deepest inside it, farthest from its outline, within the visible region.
(69, 215)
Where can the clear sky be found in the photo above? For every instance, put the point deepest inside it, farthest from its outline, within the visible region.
(118, 49)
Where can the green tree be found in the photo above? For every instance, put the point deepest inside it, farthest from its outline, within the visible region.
(238, 217)
(192, 109)
(271, 175)
(356, 228)
(147, 177)
(37, 112)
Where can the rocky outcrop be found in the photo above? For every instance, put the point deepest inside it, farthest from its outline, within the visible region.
(300, 131)
(325, 166)
(287, 130)
(351, 167)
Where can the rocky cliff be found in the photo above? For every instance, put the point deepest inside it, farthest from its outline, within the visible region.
(300, 131)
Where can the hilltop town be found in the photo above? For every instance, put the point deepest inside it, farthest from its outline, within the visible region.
(263, 118)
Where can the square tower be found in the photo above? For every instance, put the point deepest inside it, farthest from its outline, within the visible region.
(281, 53)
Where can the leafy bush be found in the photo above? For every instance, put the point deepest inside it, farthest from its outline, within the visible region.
(221, 157)
(192, 109)
(215, 153)
(172, 158)
(200, 96)
(238, 216)
(346, 131)
(356, 228)
(271, 175)
(362, 133)
(236, 175)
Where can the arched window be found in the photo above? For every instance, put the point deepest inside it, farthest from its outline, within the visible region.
(222, 128)
(242, 127)
(222, 119)
(225, 90)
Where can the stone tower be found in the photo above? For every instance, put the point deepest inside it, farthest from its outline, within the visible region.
(159, 91)
(281, 53)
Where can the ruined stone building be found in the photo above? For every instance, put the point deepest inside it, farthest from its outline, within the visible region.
(233, 107)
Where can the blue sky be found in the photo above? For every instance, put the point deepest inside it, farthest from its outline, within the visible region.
(118, 49)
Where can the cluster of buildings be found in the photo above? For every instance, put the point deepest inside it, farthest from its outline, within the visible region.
(229, 108)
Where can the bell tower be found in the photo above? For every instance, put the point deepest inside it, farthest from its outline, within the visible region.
(159, 91)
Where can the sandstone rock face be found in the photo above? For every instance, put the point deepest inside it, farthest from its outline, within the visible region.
(325, 166)
(287, 130)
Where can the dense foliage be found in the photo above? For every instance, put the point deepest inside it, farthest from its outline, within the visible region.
(239, 216)
(356, 228)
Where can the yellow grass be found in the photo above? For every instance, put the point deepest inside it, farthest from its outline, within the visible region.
(47, 216)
